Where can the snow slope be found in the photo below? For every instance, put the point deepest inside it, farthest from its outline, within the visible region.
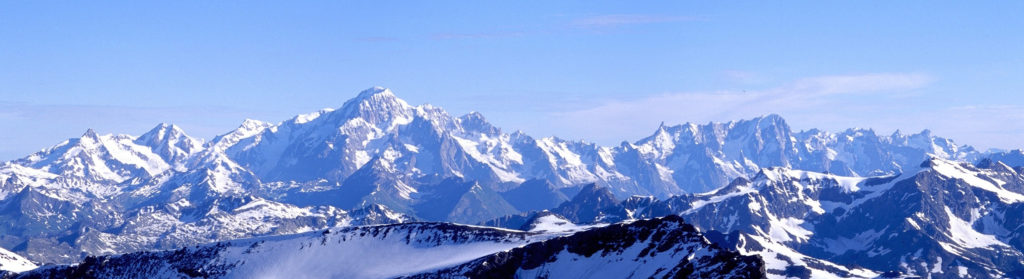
(13, 262)
(382, 251)
(657, 248)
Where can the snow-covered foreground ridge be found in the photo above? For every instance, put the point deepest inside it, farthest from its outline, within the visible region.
(13, 262)
(658, 247)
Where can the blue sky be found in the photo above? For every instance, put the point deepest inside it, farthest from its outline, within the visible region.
(602, 71)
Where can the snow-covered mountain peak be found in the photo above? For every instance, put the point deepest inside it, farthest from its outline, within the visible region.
(762, 124)
(252, 124)
(373, 91)
(660, 144)
(897, 134)
(771, 117)
(436, 116)
(170, 142)
(474, 121)
(376, 98)
(935, 161)
(377, 106)
(164, 128)
(247, 129)
(777, 175)
(95, 160)
(472, 116)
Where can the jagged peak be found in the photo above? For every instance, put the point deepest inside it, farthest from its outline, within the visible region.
(814, 132)
(254, 124)
(305, 118)
(473, 115)
(771, 117)
(593, 190)
(91, 134)
(931, 161)
(167, 125)
(986, 163)
(766, 118)
(248, 128)
(857, 132)
(164, 136)
(626, 145)
(737, 182)
(779, 173)
(768, 173)
(897, 134)
(475, 121)
(759, 123)
(163, 130)
(430, 112)
(770, 121)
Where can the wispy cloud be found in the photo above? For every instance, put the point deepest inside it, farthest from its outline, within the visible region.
(820, 99)
(376, 39)
(591, 23)
(867, 83)
(739, 76)
(627, 19)
(481, 35)
(985, 126)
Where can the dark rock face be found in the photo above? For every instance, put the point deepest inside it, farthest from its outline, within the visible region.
(187, 262)
(534, 195)
(589, 205)
(664, 247)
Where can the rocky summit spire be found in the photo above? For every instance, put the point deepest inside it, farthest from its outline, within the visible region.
(90, 133)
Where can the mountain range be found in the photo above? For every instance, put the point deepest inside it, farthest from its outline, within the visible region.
(803, 203)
